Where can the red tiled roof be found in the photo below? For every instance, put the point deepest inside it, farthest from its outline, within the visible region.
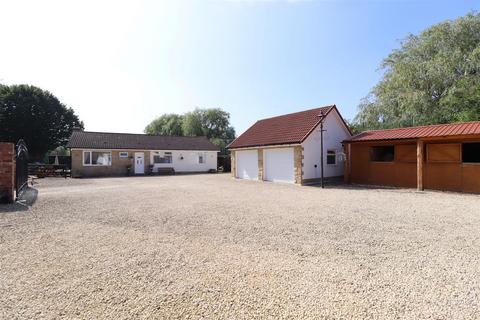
(108, 140)
(436, 130)
(285, 129)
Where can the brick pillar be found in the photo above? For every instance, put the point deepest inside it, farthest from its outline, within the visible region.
(233, 166)
(298, 164)
(7, 172)
(260, 164)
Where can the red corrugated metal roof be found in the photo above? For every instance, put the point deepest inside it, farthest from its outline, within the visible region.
(285, 129)
(436, 130)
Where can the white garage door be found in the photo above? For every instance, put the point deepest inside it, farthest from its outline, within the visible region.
(278, 165)
(247, 164)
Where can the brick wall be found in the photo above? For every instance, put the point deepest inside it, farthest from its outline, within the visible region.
(7, 172)
(118, 167)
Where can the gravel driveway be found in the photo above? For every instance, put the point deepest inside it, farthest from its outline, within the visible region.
(207, 246)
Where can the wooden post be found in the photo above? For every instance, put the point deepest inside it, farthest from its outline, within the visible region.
(420, 157)
(322, 184)
(346, 168)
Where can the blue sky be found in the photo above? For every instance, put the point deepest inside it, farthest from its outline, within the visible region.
(120, 64)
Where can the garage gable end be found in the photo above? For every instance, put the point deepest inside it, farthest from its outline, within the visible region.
(332, 112)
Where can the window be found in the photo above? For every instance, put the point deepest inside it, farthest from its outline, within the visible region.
(471, 152)
(162, 157)
(201, 158)
(382, 153)
(331, 157)
(97, 158)
(86, 157)
(123, 154)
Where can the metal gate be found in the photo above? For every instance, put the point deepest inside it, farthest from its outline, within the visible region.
(21, 167)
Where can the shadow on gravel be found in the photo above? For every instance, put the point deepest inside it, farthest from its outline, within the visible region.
(356, 187)
(25, 201)
(363, 187)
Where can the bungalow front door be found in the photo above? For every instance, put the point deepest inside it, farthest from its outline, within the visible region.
(139, 163)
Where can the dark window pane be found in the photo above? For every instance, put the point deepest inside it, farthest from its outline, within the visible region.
(331, 157)
(382, 153)
(166, 158)
(471, 152)
(86, 157)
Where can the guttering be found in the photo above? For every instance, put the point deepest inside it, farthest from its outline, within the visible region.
(141, 149)
(270, 146)
(426, 138)
(379, 140)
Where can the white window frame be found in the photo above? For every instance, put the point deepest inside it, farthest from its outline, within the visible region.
(335, 157)
(162, 154)
(123, 154)
(203, 156)
(96, 165)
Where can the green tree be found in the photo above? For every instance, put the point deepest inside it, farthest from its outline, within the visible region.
(432, 78)
(37, 116)
(193, 123)
(167, 125)
(60, 151)
(214, 123)
(217, 124)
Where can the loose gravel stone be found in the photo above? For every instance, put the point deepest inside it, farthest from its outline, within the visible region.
(210, 247)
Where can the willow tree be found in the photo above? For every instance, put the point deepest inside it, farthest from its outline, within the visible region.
(166, 125)
(434, 77)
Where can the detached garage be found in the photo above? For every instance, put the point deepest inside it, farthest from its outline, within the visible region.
(440, 157)
(287, 148)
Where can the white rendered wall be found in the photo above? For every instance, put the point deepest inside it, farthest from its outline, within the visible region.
(189, 163)
(332, 140)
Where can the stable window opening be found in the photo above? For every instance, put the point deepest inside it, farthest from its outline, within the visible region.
(382, 153)
(471, 152)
